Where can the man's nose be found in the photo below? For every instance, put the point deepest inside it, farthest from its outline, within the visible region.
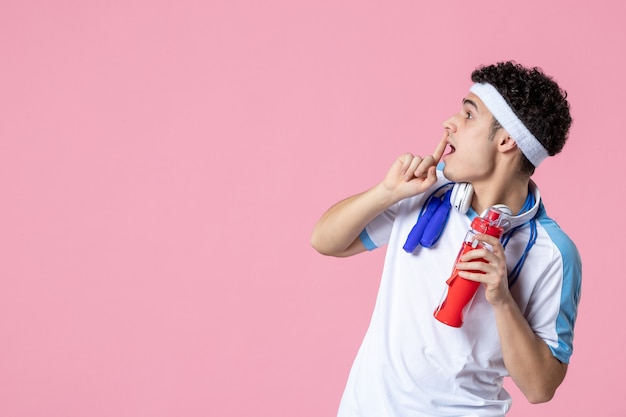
(450, 125)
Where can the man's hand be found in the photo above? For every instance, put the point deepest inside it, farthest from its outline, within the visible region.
(493, 272)
(411, 174)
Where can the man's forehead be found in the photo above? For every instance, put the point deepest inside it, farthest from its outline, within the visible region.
(473, 100)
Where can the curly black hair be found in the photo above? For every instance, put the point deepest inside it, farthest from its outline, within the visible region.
(535, 98)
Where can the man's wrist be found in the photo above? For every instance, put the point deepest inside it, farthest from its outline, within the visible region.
(506, 307)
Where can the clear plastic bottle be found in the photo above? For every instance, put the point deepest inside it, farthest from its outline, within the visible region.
(460, 291)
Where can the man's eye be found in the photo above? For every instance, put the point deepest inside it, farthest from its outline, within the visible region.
(468, 115)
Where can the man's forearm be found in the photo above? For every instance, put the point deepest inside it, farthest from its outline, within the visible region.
(340, 226)
(527, 357)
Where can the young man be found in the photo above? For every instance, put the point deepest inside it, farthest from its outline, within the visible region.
(520, 323)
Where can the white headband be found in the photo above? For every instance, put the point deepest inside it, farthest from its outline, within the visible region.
(528, 144)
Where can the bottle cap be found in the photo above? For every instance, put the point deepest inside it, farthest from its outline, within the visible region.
(488, 225)
(493, 215)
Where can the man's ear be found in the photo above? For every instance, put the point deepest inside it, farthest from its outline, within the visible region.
(506, 143)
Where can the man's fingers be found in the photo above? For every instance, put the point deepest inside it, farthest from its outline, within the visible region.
(410, 171)
(405, 162)
(424, 165)
(441, 147)
(414, 166)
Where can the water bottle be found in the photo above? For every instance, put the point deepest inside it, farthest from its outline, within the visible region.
(460, 291)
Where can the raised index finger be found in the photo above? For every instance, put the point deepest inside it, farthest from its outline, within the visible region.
(441, 147)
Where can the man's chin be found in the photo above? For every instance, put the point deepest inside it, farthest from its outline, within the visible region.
(453, 176)
(449, 173)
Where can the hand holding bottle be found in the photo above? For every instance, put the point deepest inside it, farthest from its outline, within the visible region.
(461, 288)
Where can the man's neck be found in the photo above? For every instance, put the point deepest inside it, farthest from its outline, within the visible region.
(511, 192)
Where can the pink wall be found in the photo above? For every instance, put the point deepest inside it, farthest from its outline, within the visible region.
(162, 164)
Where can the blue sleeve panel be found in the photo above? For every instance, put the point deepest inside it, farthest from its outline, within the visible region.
(570, 293)
(367, 242)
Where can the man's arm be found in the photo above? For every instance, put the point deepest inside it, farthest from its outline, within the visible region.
(527, 357)
(337, 231)
(529, 360)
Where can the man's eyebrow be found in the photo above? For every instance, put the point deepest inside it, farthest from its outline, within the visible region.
(470, 102)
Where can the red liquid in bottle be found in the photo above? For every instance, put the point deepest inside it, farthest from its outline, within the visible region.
(460, 290)
(460, 293)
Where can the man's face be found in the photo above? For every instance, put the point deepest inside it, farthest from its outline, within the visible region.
(472, 153)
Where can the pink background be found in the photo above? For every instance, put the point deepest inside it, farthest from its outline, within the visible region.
(162, 164)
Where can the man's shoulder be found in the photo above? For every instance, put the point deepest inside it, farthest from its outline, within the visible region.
(564, 243)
